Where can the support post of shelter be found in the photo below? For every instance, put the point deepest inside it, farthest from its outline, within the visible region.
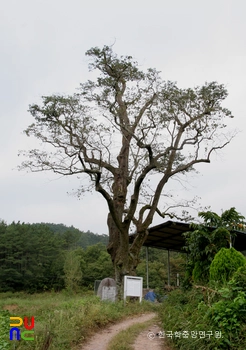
(177, 279)
(168, 267)
(147, 267)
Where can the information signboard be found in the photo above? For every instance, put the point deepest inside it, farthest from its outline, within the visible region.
(133, 287)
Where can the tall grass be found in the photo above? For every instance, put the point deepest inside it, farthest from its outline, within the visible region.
(62, 321)
(191, 312)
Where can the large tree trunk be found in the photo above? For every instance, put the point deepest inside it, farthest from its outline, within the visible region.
(125, 257)
(118, 248)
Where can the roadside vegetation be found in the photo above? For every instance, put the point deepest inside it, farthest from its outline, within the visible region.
(209, 312)
(215, 318)
(62, 321)
(48, 271)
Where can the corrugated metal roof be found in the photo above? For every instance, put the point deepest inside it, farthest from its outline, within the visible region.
(169, 236)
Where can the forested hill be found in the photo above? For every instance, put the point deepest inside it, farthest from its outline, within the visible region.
(41, 257)
(74, 237)
(38, 257)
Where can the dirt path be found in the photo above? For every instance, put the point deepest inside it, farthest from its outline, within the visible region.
(100, 340)
(148, 339)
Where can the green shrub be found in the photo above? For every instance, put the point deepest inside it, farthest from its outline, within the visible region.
(239, 278)
(220, 312)
(200, 271)
(225, 263)
(229, 316)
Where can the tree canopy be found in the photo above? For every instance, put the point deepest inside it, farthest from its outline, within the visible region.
(129, 132)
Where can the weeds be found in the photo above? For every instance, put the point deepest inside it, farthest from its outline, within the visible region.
(62, 321)
(203, 311)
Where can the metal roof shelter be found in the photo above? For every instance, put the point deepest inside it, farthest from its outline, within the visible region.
(169, 236)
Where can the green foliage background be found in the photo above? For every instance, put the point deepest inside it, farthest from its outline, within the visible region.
(158, 272)
(218, 302)
(206, 239)
(43, 257)
(33, 256)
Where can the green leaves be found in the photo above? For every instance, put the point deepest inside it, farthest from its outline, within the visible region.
(98, 264)
(36, 257)
(73, 270)
(29, 258)
(225, 263)
(229, 219)
(106, 61)
(208, 238)
(229, 315)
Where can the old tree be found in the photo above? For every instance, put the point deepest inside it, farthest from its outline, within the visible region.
(121, 130)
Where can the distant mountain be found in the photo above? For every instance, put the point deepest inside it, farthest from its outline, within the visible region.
(74, 238)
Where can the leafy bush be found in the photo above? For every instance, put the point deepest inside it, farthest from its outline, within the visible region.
(225, 263)
(229, 315)
(239, 278)
(205, 240)
(200, 271)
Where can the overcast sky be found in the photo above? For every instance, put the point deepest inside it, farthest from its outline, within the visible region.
(42, 45)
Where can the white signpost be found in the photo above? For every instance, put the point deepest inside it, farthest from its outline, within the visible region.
(133, 287)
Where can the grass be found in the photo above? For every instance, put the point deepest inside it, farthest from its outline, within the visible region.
(188, 311)
(62, 321)
(125, 339)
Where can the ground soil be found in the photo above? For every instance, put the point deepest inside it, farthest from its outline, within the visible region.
(10, 307)
(149, 339)
(100, 340)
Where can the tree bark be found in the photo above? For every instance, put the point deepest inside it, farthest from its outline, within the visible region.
(125, 257)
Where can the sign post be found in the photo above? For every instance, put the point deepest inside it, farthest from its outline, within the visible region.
(133, 287)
